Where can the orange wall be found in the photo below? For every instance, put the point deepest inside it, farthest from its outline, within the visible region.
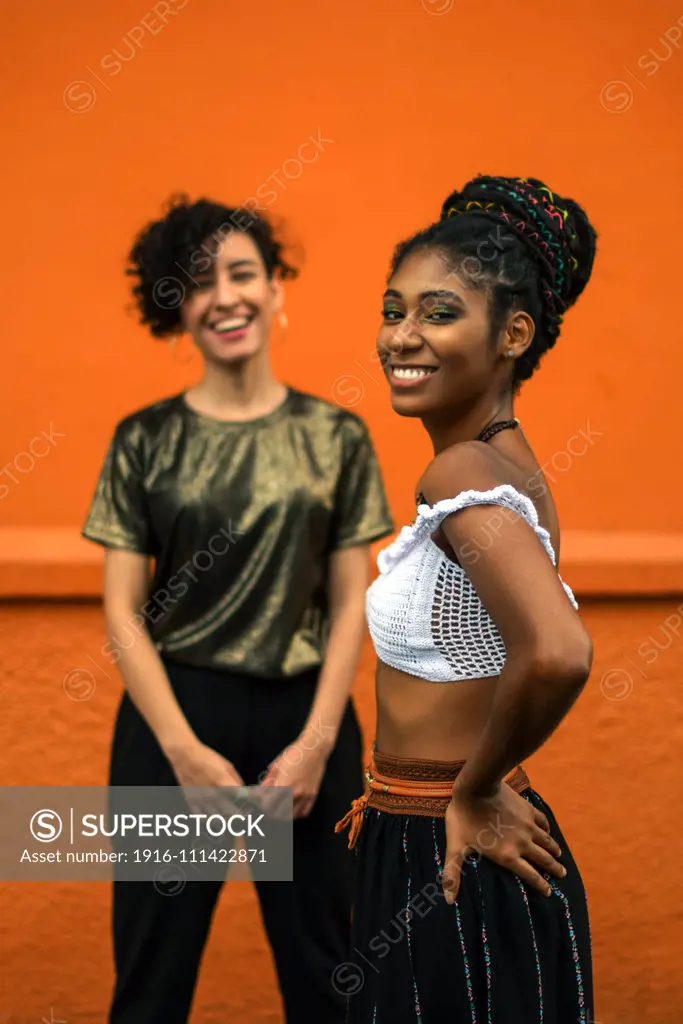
(218, 97)
(612, 773)
(415, 101)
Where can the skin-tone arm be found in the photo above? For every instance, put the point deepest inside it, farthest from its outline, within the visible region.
(302, 764)
(126, 586)
(549, 657)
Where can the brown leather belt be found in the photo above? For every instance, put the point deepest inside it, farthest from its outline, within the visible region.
(398, 785)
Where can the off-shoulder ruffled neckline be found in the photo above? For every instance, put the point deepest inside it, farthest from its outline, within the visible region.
(424, 524)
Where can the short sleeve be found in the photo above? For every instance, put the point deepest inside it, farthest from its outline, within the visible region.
(361, 512)
(118, 513)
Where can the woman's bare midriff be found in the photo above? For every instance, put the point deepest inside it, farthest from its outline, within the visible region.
(444, 721)
(434, 721)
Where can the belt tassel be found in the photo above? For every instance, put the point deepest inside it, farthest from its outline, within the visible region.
(353, 820)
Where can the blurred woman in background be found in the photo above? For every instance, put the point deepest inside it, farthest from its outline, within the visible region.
(255, 503)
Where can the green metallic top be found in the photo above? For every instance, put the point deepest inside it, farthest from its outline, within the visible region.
(240, 520)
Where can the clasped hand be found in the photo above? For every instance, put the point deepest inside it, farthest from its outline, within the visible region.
(301, 767)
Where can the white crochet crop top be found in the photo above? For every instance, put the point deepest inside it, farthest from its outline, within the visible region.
(424, 616)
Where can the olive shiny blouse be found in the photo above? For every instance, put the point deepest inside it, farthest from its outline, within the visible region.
(240, 519)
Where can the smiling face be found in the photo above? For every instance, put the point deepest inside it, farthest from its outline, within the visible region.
(436, 341)
(230, 312)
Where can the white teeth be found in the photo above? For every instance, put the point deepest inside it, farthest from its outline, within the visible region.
(230, 325)
(407, 373)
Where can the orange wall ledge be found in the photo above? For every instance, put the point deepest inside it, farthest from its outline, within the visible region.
(57, 562)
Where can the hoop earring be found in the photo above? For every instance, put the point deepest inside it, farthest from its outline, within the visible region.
(284, 321)
(174, 352)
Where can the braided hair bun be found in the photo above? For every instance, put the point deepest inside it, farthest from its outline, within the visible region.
(530, 248)
(556, 230)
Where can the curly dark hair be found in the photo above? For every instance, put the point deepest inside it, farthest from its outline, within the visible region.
(169, 253)
(530, 248)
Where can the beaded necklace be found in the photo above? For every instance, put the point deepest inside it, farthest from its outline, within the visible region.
(495, 428)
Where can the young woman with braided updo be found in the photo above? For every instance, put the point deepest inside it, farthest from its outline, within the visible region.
(469, 906)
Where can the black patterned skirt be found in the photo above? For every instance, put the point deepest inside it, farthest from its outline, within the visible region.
(501, 954)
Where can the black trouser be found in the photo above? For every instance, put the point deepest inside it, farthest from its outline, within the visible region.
(159, 939)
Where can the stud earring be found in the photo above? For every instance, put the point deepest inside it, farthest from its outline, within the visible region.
(510, 354)
(284, 321)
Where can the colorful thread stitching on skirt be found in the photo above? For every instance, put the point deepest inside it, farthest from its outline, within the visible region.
(406, 787)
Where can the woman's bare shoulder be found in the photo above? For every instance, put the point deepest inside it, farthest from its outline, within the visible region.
(468, 466)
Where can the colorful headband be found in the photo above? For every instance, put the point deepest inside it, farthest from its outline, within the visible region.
(538, 202)
(553, 250)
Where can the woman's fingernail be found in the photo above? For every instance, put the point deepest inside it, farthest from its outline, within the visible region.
(549, 891)
(564, 872)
